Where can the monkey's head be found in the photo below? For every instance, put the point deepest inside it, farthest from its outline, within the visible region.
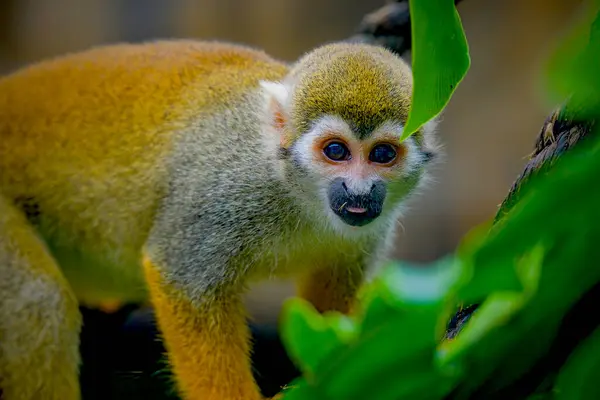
(336, 120)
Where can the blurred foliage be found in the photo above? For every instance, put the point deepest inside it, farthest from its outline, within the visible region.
(572, 70)
(528, 270)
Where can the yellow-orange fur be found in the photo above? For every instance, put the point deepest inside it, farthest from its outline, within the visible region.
(208, 348)
(40, 319)
(136, 171)
(330, 288)
(59, 120)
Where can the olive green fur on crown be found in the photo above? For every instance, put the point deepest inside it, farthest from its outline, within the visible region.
(365, 85)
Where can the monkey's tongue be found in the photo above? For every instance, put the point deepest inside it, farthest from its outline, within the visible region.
(357, 210)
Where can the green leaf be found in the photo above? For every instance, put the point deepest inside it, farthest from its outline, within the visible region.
(498, 307)
(572, 70)
(398, 337)
(578, 379)
(392, 352)
(550, 237)
(309, 336)
(477, 281)
(440, 59)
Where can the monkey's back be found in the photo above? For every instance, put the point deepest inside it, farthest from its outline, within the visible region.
(84, 141)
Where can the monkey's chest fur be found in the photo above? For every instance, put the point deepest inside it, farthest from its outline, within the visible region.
(101, 274)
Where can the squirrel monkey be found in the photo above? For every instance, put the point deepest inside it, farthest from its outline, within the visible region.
(184, 171)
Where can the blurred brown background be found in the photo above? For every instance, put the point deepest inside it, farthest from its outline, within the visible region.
(487, 130)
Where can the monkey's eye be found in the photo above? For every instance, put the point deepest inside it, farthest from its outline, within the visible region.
(336, 151)
(382, 154)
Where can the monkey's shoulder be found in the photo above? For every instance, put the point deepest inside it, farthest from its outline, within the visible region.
(168, 75)
(113, 110)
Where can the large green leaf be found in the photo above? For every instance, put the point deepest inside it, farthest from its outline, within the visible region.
(579, 377)
(311, 337)
(440, 58)
(483, 281)
(512, 330)
(393, 354)
(572, 69)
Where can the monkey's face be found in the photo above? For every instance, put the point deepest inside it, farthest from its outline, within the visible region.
(336, 123)
(360, 178)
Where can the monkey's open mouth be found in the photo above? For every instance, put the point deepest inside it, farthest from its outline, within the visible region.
(356, 215)
(357, 210)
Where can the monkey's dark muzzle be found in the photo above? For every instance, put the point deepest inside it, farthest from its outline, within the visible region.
(356, 209)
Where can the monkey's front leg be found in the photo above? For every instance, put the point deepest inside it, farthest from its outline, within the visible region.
(207, 343)
(332, 288)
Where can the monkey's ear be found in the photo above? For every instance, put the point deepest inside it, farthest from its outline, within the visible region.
(276, 91)
(276, 97)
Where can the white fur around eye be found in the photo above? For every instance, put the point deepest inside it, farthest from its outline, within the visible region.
(303, 148)
(413, 156)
